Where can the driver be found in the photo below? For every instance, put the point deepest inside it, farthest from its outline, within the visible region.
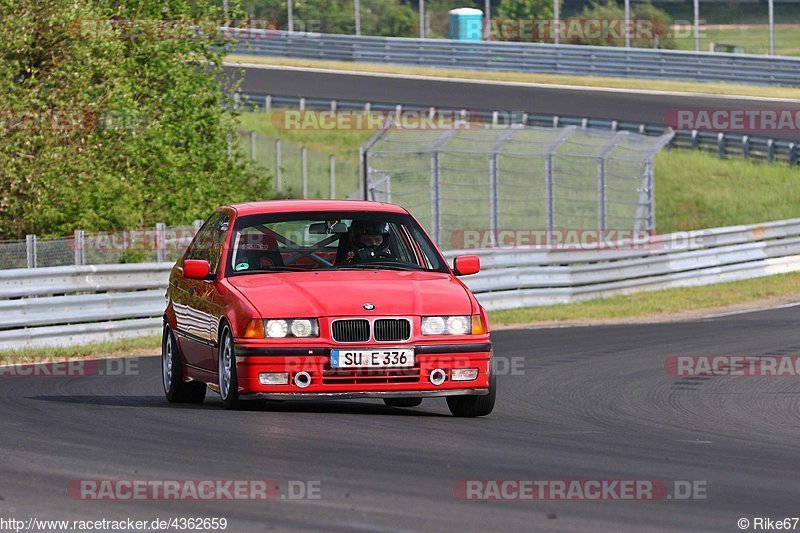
(369, 241)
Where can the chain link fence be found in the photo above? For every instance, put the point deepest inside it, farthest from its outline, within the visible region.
(159, 244)
(302, 172)
(486, 187)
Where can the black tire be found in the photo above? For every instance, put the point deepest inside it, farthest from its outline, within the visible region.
(469, 406)
(226, 369)
(403, 402)
(175, 388)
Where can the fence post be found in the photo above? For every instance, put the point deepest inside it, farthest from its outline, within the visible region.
(161, 244)
(30, 250)
(494, 183)
(363, 172)
(253, 139)
(548, 181)
(601, 181)
(278, 172)
(80, 247)
(304, 157)
(436, 216)
(332, 160)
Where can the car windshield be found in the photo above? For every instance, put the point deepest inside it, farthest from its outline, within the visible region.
(290, 242)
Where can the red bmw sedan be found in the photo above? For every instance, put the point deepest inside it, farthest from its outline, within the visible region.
(319, 299)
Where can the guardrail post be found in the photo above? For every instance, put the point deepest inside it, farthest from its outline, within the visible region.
(332, 160)
(80, 247)
(161, 243)
(304, 159)
(253, 139)
(302, 104)
(770, 150)
(555, 121)
(367, 107)
(745, 147)
(695, 139)
(30, 250)
(278, 163)
(333, 106)
(792, 153)
(267, 103)
(721, 145)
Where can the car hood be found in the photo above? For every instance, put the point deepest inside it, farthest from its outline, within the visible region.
(344, 293)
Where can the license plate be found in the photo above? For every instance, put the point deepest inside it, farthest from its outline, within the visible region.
(386, 357)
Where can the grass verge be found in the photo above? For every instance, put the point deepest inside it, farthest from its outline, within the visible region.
(658, 303)
(529, 77)
(149, 345)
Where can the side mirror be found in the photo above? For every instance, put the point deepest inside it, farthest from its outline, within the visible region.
(464, 265)
(196, 269)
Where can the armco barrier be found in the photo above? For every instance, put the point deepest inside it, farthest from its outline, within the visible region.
(527, 57)
(75, 305)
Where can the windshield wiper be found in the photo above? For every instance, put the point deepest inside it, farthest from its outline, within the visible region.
(379, 265)
(276, 269)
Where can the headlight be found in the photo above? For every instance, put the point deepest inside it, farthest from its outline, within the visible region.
(296, 327)
(446, 325)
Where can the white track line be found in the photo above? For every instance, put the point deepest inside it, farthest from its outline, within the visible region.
(512, 83)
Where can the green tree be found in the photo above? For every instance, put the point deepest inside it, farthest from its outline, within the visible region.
(114, 126)
(650, 26)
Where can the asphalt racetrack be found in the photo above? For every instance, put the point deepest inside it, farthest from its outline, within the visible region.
(632, 106)
(588, 403)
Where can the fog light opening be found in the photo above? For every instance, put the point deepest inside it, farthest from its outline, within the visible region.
(302, 379)
(274, 378)
(464, 374)
(438, 376)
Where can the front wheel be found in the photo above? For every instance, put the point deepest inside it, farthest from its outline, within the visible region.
(177, 390)
(473, 405)
(228, 378)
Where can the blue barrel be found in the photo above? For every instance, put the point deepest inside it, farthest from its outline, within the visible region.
(466, 24)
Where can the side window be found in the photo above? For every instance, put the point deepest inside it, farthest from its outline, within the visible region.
(210, 240)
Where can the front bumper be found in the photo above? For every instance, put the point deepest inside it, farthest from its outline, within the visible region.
(329, 383)
(363, 394)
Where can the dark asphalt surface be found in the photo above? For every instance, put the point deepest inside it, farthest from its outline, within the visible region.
(590, 403)
(628, 106)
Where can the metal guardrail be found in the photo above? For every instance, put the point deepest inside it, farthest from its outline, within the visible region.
(75, 305)
(722, 143)
(527, 57)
